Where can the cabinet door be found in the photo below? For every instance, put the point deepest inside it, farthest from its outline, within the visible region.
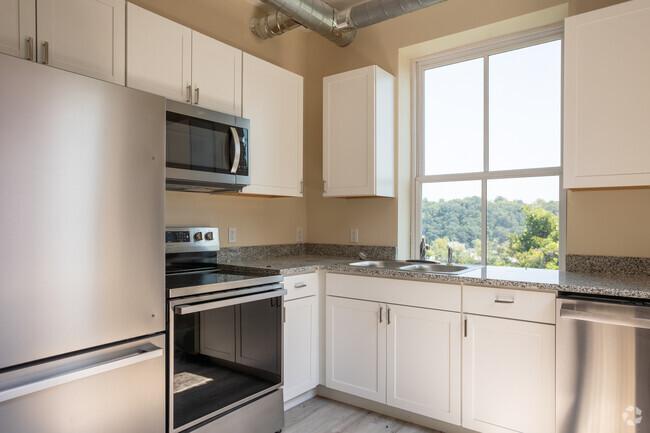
(508, 376)
(348, 133)
(358, 133)
(273, 101)
(300, 346)
(17, 25)
(83, 36)
(216, 74)
(356, 347)
(423, 362)
(158, 55)
(606, 93)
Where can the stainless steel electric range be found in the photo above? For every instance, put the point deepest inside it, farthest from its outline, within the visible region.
(225, 340)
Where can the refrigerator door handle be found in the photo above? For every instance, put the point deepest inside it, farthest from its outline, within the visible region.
(140, 354)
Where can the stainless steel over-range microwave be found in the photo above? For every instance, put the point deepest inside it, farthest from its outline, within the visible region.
(207, 151)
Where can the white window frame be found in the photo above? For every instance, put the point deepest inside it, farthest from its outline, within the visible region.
(481, 50)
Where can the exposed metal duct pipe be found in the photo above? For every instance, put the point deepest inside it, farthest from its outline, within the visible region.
(316, 15)
(273, 24)
(337, 26)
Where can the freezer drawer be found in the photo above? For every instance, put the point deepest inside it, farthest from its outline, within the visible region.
(119, 389)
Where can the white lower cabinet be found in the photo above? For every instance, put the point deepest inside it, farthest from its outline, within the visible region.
(300, 346)
(423, 362)
(301, 335)
(508, 376)
(399, 343)
(356, 347)
(404, 356)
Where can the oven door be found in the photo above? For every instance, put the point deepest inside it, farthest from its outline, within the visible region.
(223, 353)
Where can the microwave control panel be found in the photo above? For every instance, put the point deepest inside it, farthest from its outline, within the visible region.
(190, 239)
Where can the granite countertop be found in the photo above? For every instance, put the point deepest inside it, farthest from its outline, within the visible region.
(518, 278)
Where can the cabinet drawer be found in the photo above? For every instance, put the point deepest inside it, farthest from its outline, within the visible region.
(300, 286)
(425, 294)
(509, 303)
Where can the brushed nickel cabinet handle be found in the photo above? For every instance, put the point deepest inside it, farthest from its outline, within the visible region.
(284, 314)
(381, 314)
(46, 52)
(504, 301)
(465, 332)
(196, 93)
(189, 94)
(388, 315)
(300, 285)
(30, 48)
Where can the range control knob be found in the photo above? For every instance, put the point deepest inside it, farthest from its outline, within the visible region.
(209, 236)
(198, 236)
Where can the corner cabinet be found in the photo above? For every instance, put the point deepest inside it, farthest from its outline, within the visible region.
(606, 94)
(359, 134)
(174, 61)
(404, 356)
(273, 101)
(82, 36)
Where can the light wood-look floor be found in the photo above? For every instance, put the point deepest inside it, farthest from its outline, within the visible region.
(320, 415)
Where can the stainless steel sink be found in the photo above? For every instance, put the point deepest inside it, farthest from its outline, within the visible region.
(438, 268)
(379, 264)
(415, 266)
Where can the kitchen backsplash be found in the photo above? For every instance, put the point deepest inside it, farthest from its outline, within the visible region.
(235, 254)
(608, 264)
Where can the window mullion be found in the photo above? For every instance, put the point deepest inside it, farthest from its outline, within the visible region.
(486, 155)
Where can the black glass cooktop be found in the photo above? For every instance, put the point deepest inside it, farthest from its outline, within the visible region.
(175, 281)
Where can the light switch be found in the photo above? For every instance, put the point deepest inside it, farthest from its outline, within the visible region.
(232, 235)
(299, 234)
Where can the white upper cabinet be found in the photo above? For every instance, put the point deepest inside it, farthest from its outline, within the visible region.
(158, 55)
(216, 74)
(17, 26)
(171, 60)
(358, 134)
(606, 94)
(273, 101)
(83, 36)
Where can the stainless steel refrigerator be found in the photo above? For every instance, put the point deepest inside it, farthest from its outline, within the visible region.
(81, 254)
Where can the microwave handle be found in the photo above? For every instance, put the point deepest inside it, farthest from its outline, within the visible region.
(237, 141)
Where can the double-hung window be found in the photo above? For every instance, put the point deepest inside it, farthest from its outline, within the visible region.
(489, 151)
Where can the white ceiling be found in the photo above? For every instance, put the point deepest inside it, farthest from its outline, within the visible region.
(336, 4)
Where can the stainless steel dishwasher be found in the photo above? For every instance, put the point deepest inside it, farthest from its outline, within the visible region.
(603, 365)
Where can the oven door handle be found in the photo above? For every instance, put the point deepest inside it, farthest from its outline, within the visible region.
(196, 308)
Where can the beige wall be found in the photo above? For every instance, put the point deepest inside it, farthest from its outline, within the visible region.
(594, 226)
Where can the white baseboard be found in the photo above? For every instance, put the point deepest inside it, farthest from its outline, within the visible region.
(299, 399)
(389, 411)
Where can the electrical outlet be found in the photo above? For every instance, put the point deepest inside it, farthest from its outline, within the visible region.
(354, 235)
(299, 234)
(232, 235)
